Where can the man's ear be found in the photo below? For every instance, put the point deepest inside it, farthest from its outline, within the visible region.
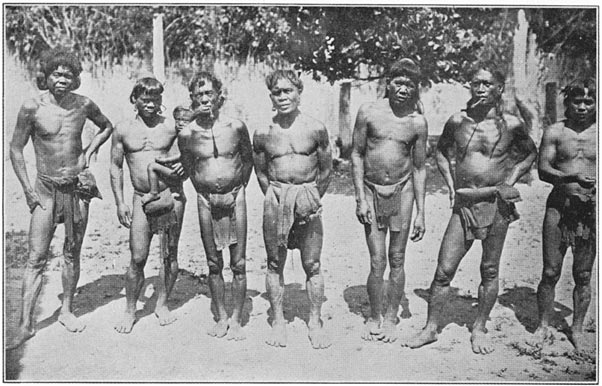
(501, 87)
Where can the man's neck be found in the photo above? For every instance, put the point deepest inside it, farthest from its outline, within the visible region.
(150, 121)
(402, 109)
(286, 120)
(59, 99)
(579, 125)
(482, 112)
(206, 121)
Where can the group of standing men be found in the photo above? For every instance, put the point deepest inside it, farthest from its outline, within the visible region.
(481, 154)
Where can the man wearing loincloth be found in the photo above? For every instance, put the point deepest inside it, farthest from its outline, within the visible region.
(492, 150)
(147, 138)
(217, 154)
(389, 152)
(54, 121)
(293, 164)
(567, 159)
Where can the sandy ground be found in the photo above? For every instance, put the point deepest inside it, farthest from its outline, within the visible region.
(183, 351)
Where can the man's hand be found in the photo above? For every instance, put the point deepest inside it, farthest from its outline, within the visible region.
(508, 193)
(585, 181)
(363, 212)
(33, 200)
(125, 215)
(419, 228)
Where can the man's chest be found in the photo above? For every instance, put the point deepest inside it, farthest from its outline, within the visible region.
(158, 138)
(51, 121)
(281, 142)
(488, 137)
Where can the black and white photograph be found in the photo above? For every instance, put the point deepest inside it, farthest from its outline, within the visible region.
(300, 193)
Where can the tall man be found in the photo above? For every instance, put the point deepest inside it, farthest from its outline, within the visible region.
(293, 164)
(54, 121)
(567, 160)
(217, 154)
(492, 151)
(389, 152)
(146, 138)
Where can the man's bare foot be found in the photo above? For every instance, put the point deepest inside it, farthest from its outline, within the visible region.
(424, 337)
(71, 323)
(278, 336)
(219, 330)
(148, 197)
(481, 344)
(388, 333)
(539, 337)
(318, 336)
(23, 334)
(165, 316)
(579, 340)
(371, 330)
(125, 325)
(235, 331)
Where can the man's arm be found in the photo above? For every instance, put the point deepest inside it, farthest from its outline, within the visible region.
(106, 128)
(358, 152)
(324, 161)
(246, 153)
(443, 152)
(259, 160)
(526, 151)
(419, 179)
(23, 131)
(116, 170)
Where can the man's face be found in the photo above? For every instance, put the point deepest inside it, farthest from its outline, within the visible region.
(485, 88)
(401, 89)
(582, 108)
(60, 81)
(285, 96)
(148, 105)
(205, 98)
(182, 119)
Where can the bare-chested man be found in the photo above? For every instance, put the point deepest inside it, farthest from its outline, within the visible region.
(567, 159)
(389, 152)
(217, 154)
(492, 151)
(54, 121)
(293, 164)
(147, 138)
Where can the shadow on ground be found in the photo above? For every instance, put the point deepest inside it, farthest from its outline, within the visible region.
(359, 303)
(247, 307)
(459, 309)
(295, 304)
(523, 301)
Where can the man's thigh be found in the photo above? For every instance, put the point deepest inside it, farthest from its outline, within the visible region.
(41, 228)
(398, 240)
(140, 233)
(493, 244)
(238, 250)
(207, 229)
(375, 238)
(554, 249)
(453, 245)
(310, 237)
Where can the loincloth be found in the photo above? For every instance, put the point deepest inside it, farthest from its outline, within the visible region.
(478, 216)
(223, 216)
(294, 205)
(577, 218)
(386, 200)
(161, 214)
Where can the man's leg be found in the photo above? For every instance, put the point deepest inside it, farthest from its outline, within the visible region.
(215, 262)
(453, 248)
(310, 244)
(274, 280)
(71, 269)
(584, 254)
(237, 265)
(140, 239)
(375, 239)
(168, 272)
(553, 255)
(41, 230)
(489, 287)
(397, 247)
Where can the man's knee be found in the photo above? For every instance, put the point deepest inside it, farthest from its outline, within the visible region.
(215, 264)
(238, 267)
(443, 276)
(551, 275)
(378, 264)
(311, 267)
(37, 259)
(275, 265)
(489, 272)
(397, 259)
(582, 278)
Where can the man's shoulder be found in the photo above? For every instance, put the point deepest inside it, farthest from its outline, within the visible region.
(31, 104)
(231, 122)
(311, 122)
(457, 118)
(555, 129)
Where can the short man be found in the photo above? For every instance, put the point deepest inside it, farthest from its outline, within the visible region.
(293, 164)
(54, 121)
(567, 159)
(147, 138)
(389, 152)
(492, 151)
(217, 154)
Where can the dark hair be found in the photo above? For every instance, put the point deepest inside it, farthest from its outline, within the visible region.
(148, 86)
(577, 88)
(199, 79)
(181, 110)
(405, 67)
(291, 76)
(499, 73)
(51, 60)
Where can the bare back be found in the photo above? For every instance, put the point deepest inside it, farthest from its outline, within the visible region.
(486, 152)
(142, 144)
(389, 142)
(219, 168)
